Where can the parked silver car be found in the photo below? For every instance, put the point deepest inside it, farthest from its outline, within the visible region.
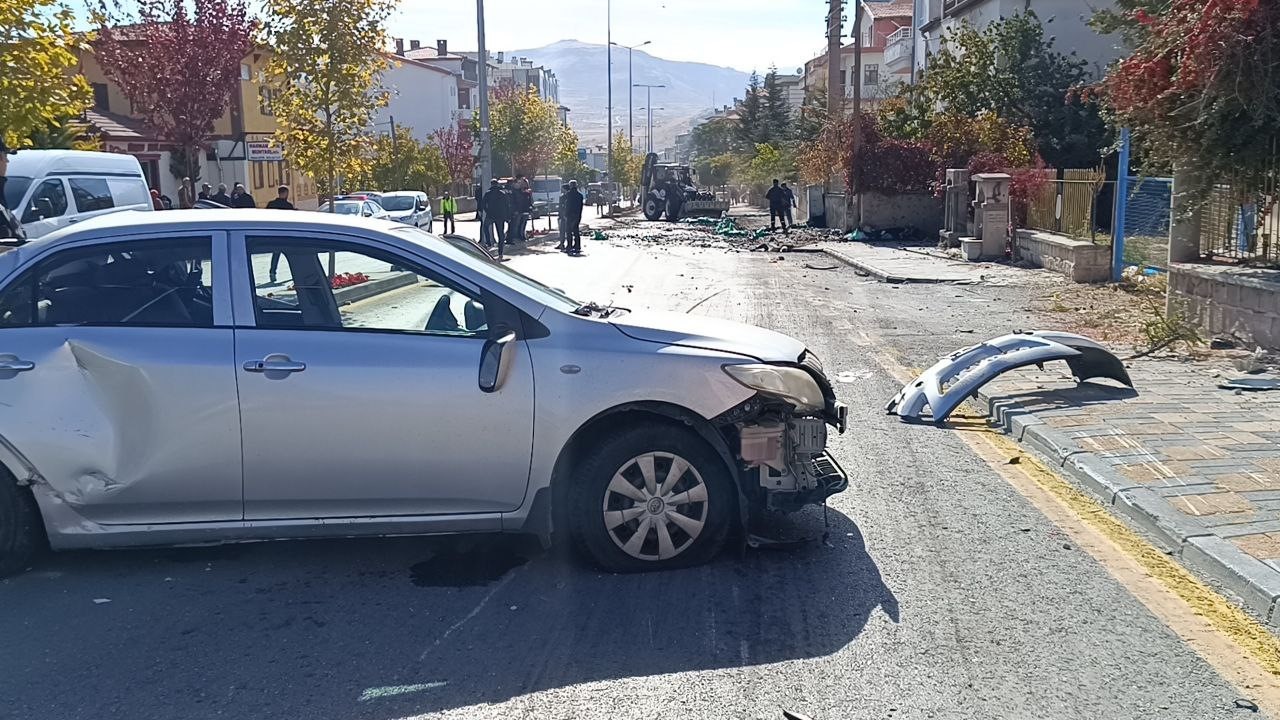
(158, 387)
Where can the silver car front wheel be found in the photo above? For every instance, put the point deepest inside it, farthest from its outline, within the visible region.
(656, 506)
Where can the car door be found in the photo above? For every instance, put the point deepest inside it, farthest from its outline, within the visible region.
(117, 380)
(359, 385)
(46, 211)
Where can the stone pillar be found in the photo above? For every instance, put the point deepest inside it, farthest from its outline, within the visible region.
(955, 221)
(991, 212)
(1184, 224)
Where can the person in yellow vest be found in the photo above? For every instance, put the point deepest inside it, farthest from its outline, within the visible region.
(448, 208)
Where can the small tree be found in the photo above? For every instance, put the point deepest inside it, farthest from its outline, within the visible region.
(777, 110)
(566, 162)
(402, 163)
(177, 61)
(327, 63)
(627, 165)
(524, 128)
(454, 143)
(38, 47)
(751, 122)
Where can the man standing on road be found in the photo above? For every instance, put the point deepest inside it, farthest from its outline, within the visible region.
(497, 213)
(241, 198)
(10, 228)
(791, 203)
(777, 198)
(205, 193)
(522, 201)
(448, 208)
(221, 197)
(561, 222)
(186, 194)
(281, 202)
(573, 213)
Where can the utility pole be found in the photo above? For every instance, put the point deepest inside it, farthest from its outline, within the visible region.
(608, 35)
(631, 126)
(835, 93)
(486, 149)
(855, 199)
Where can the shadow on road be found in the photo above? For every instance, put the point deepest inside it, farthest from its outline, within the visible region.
(394, 627)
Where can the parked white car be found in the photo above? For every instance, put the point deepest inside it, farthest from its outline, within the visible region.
(51, 189)
(408, 206)
(157, 386)
(358, 208)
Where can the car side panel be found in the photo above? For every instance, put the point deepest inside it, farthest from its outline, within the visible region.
(586, 367)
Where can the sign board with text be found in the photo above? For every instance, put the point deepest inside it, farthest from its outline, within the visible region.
(263, 151)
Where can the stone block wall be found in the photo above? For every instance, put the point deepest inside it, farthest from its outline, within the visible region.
(1080, 260)
(922, 211)
(1243, 303)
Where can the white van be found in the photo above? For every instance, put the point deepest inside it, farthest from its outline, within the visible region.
(51, 189)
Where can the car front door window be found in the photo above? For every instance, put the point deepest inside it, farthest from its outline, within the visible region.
(48, 201)
(301, 285)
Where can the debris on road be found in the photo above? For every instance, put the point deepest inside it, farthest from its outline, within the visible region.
(101, 601)
(1251, 384)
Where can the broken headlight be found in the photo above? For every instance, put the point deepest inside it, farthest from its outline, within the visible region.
(794, 385)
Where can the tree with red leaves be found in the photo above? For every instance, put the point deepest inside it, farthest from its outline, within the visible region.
(455, 146)
(1202, 87)
(178, 63)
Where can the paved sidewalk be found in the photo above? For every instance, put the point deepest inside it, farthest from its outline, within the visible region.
(1195, 466)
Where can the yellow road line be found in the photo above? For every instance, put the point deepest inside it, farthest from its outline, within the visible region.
(1239, 647)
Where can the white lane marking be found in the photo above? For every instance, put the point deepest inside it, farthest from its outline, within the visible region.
(474, 611)
(393, 690)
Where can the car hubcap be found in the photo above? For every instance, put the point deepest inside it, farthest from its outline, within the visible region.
(656, 506)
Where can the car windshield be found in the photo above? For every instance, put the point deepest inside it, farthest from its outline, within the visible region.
(547, 186)
(526, 285)
(14, 189)
(343, 208)
(396, 203)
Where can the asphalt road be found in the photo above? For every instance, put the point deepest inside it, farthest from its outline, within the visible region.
(941, 593)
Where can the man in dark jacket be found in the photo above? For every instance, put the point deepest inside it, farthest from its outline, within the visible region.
(241, 198)
(10, 228)
(791, 203)
(497, 213)
(221, 197)
(560, 218)
(777, 198)
(573, 219)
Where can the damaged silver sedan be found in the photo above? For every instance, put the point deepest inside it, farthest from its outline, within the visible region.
(193, 377)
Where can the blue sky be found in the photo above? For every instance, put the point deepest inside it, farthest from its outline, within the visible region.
(742, 34)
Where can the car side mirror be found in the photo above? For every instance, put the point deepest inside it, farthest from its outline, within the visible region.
(367, 213)
(491, 359)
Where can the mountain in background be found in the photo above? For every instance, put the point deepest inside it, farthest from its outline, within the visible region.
(692, 89)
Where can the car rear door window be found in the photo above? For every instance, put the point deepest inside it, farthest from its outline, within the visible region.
(91, 194)
(165, 283)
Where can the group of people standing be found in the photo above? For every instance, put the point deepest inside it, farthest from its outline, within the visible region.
(505, 212)
(781, 199)
(239, 197)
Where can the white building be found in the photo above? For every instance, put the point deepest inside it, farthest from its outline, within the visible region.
(465, 70)
(1066, 21)
(423, 97)
(882, 22)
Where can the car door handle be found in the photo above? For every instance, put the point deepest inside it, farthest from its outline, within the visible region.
(274, 365)
(16, 365)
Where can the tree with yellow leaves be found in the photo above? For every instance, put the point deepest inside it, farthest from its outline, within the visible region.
(327, 62)
(38, 56)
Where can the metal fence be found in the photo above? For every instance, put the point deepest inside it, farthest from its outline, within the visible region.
(1072, 205)
(1241, 226)
(1148, 213)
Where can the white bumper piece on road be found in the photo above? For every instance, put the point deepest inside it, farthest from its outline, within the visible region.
(944, 386)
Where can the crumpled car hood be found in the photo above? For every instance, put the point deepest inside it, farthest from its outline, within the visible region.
(698, 331)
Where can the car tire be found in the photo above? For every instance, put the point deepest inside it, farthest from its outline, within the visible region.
(606, 518)
(21, 531)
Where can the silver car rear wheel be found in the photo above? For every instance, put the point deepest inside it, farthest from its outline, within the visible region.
(656, 506)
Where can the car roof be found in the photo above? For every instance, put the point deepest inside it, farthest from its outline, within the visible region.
(38, 163)
(403, 193)
(133, 221)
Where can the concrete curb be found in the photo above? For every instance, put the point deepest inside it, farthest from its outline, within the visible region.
(1254, 583)
(366, 290)
(859, 265)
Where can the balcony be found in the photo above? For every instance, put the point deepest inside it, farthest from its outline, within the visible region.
(897, 50)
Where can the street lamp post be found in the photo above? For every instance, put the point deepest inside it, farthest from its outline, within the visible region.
(649, 102)
(631, 129)
(648, 138)
(608, 34)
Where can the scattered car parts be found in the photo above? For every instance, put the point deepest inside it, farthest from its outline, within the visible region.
(959, 375)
